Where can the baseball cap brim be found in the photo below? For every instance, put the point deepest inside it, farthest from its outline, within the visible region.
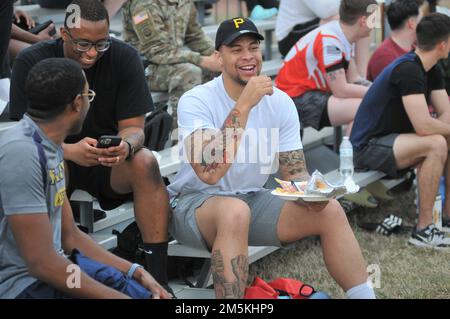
(236, 35)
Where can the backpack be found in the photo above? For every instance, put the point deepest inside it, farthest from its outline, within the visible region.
(157, 128)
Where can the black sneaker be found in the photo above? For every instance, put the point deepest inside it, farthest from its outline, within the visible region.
(446, 225)
(430, 237)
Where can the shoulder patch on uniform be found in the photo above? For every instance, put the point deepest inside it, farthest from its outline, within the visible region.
(140, 17)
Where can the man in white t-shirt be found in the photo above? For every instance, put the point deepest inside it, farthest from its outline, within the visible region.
(232, 130)
(296, 18)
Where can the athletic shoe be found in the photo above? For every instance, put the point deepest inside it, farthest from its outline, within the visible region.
(446, 225)
(259, 13)
(429, 237)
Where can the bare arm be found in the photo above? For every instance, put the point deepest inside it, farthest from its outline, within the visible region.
(33, 235)
(22, 35)
(293, 166)
(132, 131)
(417, 109)
(352, 73)
(441, 103)
(85, 152)
(73, 238)
(211, 152)
(340, 88)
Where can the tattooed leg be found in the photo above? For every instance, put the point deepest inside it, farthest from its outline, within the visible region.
(224, 288)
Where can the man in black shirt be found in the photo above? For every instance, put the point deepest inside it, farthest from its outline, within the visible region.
(116, 174)
(393, 129)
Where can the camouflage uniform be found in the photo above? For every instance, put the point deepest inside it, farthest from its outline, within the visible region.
(160, 30)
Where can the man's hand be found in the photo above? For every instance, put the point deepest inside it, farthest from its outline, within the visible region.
(211, 63)
(147, 281)
(84, 152)
(45, 34)
(19, 14)
(312, 206)
(113, 156)
(256, 88)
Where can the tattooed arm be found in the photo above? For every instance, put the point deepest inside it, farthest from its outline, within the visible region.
(341, 88)
(293, 166)
(211, 152)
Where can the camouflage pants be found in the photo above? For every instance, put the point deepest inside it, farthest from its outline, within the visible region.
(175, 79)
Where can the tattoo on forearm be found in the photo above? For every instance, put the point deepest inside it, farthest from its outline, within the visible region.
(331, 76)
(212, 149)
(229, 289)
(293, 164)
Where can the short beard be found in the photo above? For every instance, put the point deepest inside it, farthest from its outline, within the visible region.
(240, 81)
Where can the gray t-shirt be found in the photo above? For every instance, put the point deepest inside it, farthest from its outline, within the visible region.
(22, 192)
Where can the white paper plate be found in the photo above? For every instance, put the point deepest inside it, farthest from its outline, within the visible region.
(306, 198)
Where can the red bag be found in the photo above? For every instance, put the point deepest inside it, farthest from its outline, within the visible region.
(291, 288)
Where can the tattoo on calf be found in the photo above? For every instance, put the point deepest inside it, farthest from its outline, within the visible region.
(239, 267)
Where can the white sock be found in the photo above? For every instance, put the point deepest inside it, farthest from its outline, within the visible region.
(362, 291)
(4, 89)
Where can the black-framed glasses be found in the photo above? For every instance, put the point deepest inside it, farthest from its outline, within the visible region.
(85, 45)
(90, 94)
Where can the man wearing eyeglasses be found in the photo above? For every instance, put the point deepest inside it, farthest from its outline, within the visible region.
(37, 230)
(116, 174)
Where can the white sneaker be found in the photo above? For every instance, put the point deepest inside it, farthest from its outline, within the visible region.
(430, 237)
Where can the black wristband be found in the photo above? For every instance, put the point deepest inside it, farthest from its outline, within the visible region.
(130, 151)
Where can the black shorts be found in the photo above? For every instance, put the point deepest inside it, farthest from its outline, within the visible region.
(378, 155)
(96, 181)
(312, 108)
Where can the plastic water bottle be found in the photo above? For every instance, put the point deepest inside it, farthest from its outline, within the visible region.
(437, 212)
(346, 158)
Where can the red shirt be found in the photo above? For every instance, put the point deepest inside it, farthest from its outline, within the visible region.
(320, 51)
(387, 52)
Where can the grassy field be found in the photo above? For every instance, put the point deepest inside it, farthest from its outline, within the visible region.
(406, 271)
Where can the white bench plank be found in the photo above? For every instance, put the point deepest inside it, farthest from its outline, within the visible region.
(6, 125)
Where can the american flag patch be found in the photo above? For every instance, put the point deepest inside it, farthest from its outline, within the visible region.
(140, 17)
(333, 50)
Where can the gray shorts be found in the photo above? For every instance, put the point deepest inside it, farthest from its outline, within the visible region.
(265, 212)
(312, 108)
(378, 155)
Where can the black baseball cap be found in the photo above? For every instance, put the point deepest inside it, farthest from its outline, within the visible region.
(230, 30)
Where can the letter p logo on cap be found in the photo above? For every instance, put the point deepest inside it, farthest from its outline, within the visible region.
(238, 22)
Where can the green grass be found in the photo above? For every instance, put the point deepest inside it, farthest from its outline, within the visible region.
(406, 271)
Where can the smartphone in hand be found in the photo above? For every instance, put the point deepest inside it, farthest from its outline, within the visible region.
(106, 141)
(38, 28)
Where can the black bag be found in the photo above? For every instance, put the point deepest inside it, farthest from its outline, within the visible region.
(128, 243)
(157, 129)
